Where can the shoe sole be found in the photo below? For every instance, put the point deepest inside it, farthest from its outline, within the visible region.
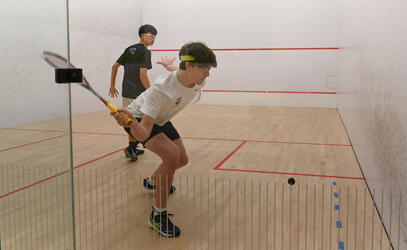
(152, 226)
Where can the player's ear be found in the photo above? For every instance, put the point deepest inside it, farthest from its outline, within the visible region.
(188, 65)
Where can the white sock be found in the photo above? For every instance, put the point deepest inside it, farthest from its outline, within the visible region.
(158, 210)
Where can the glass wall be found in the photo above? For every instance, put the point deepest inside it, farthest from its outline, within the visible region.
(35, 138)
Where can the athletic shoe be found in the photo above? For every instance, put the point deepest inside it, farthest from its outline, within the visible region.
(130, 154)
(139, 151)
(163, 225)
(149, 184)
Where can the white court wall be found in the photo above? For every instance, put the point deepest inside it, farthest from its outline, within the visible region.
(100, 31)
(28, 92)
(372, 101)
(255, 24)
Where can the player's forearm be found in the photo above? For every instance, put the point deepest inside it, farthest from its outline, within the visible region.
(113, 77)
(145, 81)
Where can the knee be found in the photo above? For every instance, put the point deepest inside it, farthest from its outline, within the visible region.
(183, 160)
(173, 158)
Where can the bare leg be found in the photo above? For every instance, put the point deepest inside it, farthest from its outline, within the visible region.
(173, 156)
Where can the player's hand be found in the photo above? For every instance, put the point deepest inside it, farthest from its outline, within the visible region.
(167, 62)
(113, 92)
(121, 116)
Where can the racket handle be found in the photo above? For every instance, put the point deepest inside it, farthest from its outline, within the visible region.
(113, 108)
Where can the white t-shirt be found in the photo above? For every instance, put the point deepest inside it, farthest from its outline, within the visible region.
(164, 99)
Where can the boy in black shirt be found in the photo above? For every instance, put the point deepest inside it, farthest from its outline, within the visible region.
(136, 60)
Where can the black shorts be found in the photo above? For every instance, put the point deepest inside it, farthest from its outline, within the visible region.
(168, 130)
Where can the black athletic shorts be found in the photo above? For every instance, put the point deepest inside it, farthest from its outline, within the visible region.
(168, 130)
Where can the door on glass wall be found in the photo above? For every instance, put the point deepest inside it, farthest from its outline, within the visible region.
(35, 145)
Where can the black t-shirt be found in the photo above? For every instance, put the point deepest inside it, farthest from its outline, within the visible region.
(133, 58)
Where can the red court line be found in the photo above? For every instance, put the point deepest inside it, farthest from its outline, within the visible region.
(217, 167)
(201, 138)
(99, 133)
(269, 141)
(78, 132)
(210, 139)
(96, 159)
(299, 92)
(234, 91)
(267, 92)
(33, 184)
(286, 173)
(223, 139)
(256, 49)
(59, 174)
(230, 155)
(41, 130)
(303, 143)
(34, 142)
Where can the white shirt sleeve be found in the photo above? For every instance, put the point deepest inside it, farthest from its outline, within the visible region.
(153, 103)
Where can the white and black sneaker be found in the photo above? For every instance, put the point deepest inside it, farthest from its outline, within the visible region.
(148, 183)
(163, 225)
(130, 154)
(138, 151)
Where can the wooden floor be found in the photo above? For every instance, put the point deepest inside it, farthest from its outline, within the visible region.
(233, 194)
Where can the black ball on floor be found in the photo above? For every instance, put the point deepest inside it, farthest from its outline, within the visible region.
(291, 181)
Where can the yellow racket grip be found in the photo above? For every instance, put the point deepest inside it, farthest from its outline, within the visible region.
(113, 108)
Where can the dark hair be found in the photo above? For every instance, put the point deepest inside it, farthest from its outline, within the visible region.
(147, 28)
(201, 53)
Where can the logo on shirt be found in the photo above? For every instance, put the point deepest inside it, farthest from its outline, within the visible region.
(178, 101)
(132, 51)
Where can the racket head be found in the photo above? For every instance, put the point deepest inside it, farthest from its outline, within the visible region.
(58, 61)
(55, 60)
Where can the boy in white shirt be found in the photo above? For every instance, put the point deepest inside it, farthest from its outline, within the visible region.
(151, 113)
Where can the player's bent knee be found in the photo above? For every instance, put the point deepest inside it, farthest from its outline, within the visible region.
(183, 160)
(172, 159)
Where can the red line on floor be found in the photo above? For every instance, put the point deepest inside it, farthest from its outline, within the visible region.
(218, 167)
(267, 92)
(230, 155)
(269, 141)
(283, 173)
(34, 142)
(224, 139)
(210, 139)
(299, 92)
(303, 143)
(59, 174)
(77, 132)
(33, 184)
(234, 91)
(96, 159)
(100, 133)
(41, 130)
